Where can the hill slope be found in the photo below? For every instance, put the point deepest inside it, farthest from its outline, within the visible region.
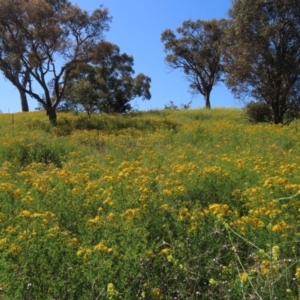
(190, 204)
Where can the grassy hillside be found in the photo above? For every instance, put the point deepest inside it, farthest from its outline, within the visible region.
(190, 204)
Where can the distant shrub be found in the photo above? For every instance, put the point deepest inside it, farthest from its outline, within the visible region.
(258, 112)
(186, 105)
(172, 105)
(292, 114)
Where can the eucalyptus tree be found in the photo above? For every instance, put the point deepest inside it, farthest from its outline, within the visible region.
(196, 50)
(262, 54)
(44, 40)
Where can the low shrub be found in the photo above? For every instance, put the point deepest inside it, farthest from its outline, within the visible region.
(258, 112)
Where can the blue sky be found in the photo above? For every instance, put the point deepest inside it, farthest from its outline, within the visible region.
(136, 28)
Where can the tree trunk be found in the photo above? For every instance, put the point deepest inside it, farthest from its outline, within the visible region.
(51, 112)
(24, 102)
(277, 116)
(207, 100)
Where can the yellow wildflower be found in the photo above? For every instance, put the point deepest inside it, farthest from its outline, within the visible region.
(25, 213)
(101, 247)
(281, 226)
(184, 213)
(48, 214)
(166, 192)
(165, 251)
(108, 201)
(36, 215)
(243, 276)
(156, 292)
(73, 242)
(17, 193)
(6, 187)
(110, 216)
(11, 229)
(265, 267)
(23, 234)
(13, 248)
(53, 230)
(275, 252)
(218, 209)
(95, 220)
(297, 274)
(111, 290)
(171, 259)
(179, 189)
(4, 241)
(84, 252)
(164, 206)
(130, 213)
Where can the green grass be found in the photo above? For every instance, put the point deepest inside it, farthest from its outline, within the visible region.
(192, 204)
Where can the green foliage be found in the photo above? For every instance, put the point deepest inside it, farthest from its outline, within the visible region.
(26, 152)
(105, 84)
(262, 56)
(112, 122)
(258, 112)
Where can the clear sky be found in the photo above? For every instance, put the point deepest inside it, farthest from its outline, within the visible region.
(136, 28)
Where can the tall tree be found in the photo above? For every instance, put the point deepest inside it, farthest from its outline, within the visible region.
(262, 54)
(106, 83)
(48, 38)
(197, 52)
(10, 62)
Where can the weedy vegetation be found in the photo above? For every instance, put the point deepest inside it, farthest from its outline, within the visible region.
(170, 204)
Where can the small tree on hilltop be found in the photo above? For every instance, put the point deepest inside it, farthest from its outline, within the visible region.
(106, 83)
(197, 52)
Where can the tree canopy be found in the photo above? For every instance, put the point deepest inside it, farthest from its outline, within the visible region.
(42, 41)
(106, 82)
(262, 54)
(197, 52)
